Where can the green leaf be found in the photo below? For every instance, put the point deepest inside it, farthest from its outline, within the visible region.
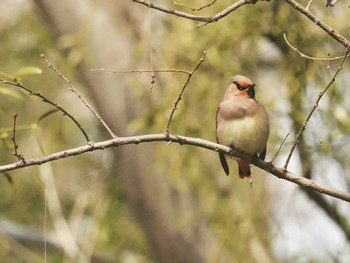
(11, 93)
(29, 70)
(4, 135)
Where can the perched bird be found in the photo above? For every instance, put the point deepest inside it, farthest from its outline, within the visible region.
(242, 123)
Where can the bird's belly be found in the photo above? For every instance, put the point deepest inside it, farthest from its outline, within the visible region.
(248, 134)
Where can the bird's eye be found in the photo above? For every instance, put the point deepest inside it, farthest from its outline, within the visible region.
(239, 87)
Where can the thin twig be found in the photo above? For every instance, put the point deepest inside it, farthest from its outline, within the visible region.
(73, 89)
(330, 31)
(182, 140)
(19, 156)
(281, 145)
(309, 57)
(152, 71)
(179, 97)
(46, 100)
(204, 19)
(308, 5)
(303, 127)
(143, 71)
(195, 9)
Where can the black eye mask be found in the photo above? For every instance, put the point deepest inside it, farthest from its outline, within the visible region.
(249, 88)
(239, 87)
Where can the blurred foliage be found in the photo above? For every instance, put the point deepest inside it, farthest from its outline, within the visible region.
(21, 44)
(239, 216)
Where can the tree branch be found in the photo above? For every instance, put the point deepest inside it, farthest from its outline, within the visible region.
(19, 156)
(179, 97)
(320, 95)
(330, 31)
(18, 84)
(115, 71)
(74, 90)
(309, 57)
(206, 19)
(182, 140)
(305, 11)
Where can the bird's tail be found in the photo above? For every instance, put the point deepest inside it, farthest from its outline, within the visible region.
(244, 169)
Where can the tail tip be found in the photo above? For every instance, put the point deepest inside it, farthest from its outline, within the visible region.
(242, 176)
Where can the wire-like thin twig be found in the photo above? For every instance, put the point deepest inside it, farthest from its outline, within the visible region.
(303, 127)
(204, 19)
(73, 89)
(46, 100)
(182, 140)
(308, 5)
(195, 9)
(179, 97)
(19, 156)
(140, 71)
(309, 57)
(143, 71)
(330, 31)
(282, 143)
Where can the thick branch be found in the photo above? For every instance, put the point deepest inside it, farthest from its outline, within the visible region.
(267, 166)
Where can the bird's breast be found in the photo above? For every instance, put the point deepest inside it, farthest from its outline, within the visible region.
(248, 133)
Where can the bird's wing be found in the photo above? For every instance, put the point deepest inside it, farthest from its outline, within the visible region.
(221, 155)
(224, 163)
(262, 154)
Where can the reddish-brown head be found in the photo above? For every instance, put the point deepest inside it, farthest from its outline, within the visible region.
(242, 86)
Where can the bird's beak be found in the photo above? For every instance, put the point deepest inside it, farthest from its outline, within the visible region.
(251, 91)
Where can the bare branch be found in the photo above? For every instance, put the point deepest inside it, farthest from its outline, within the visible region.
(152, 71)
(330, 31)
(204, 19)
(303, 127)
(73, 89)
(176, 102)
(309, 57)
(179, 97)
(46, 100)
(182, 140)
(19, 156)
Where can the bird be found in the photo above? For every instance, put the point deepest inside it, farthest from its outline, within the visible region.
(242, 123)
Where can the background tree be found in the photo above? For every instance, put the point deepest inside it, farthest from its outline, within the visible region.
(159, 202)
